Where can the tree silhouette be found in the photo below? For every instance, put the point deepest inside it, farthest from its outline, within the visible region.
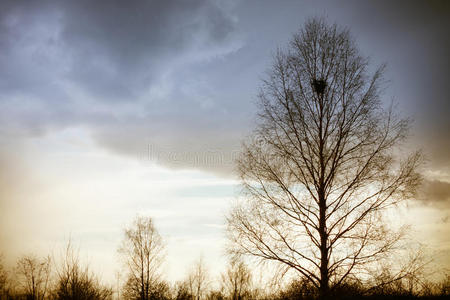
(3, 279)
(321, 167)
(34, 276)
(75, 282)
(197, 280)
(237, 280)
(142, 249)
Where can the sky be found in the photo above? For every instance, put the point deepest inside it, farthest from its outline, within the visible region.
(112, 109)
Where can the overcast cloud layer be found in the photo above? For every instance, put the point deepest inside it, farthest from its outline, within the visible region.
(125, 70)
(183, 75)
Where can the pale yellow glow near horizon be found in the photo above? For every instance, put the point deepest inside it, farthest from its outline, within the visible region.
(72, 189)
(63, 186)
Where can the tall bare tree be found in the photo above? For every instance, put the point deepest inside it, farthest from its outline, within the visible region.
(34, 276)
(143, 252)
(322, 166)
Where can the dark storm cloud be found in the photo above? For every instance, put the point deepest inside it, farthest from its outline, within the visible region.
(28, 48)
(413, 37)
(111, 48)
(121, 68)
(182, 75)
(118, 48)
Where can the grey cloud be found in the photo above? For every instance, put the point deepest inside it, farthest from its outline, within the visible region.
(67, 63)
(413, 38)
(113, 49)
(435, 192)
(118, 48)
(27, 39)
(178, 143)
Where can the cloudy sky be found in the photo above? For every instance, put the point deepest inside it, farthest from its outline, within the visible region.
(109, 109)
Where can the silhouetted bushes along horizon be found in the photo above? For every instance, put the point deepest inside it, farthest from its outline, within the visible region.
(142, 251)
(41, 278)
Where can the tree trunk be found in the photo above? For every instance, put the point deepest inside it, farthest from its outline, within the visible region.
(324, 279)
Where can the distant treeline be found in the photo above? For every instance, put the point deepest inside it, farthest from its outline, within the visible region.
(38, 279)
(143, 251)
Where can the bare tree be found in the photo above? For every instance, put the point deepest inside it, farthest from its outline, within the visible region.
(3, 279)
(34, 276)
(321, 167)
(118, 286)
(182, 291)
(237, 280)
(215, 295)
(143, 252)
(198, 280)
(75, 282)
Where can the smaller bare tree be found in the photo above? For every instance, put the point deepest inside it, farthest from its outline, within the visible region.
(142, 250)
(75, 282)
(198, 280)
(237, 280)
(182, 291)
(3, 279)
(33, 275)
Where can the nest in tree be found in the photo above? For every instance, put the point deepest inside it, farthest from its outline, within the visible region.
(319, 85)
